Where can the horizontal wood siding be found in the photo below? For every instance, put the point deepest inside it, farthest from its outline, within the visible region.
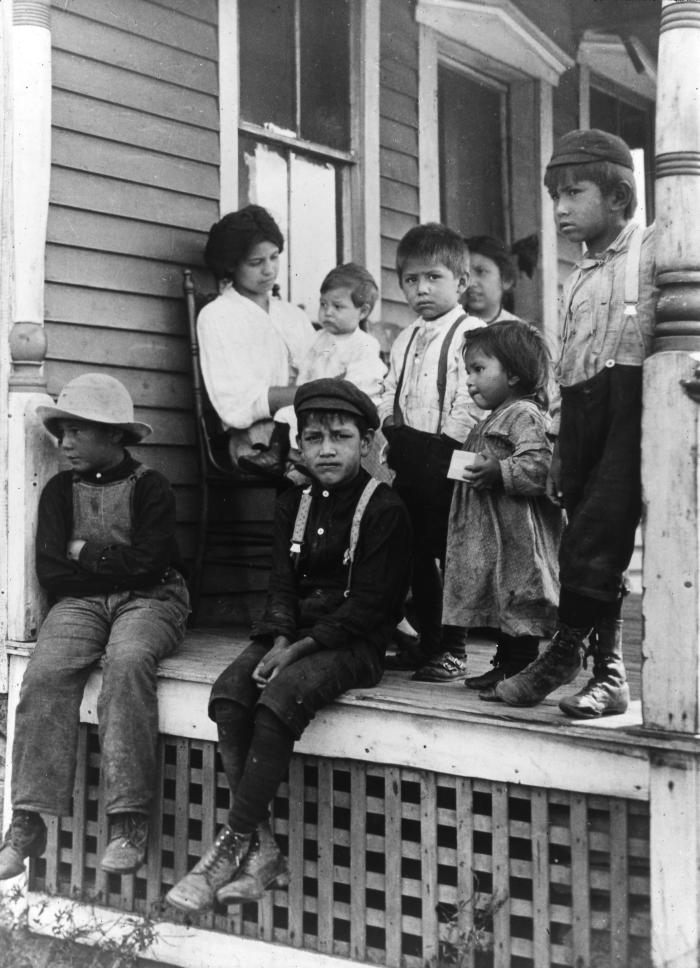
(398, 134)
(134, 189)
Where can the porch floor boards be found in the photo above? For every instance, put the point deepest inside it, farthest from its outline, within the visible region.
(207, 652)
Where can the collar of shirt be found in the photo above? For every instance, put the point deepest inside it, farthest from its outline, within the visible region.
(431, 327)
(345, 488)
(126, 467)
(591, 260)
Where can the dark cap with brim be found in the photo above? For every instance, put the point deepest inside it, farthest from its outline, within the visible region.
(336, 395)
(583, 146)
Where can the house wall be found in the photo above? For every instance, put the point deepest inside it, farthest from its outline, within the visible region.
(134, 189)
(398, 138)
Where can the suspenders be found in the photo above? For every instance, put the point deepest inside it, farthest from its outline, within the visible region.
(303, 516)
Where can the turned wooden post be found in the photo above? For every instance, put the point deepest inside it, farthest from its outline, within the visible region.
(31, 453)
(671, 437)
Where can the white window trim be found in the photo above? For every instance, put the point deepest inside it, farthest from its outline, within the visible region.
(361, 231)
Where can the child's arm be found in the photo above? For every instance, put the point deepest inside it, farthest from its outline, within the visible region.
(525, 472)
(153, 548)
(386, 400)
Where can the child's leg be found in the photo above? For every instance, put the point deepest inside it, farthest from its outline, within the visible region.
(44, 752)
(272, 461)
(146, 627)
(513, 653)
(70, 643)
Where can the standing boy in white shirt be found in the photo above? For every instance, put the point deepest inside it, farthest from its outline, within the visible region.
(426, 390)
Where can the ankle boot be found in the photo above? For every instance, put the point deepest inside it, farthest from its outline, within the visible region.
(197, 890)
(25, 837)
(511, 657)
(271, 462)
(560, 662)
(264, 866)
(607, 693)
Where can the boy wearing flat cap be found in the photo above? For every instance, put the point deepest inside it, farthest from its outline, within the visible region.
(340, 571)
(609, 303)
(107, 555)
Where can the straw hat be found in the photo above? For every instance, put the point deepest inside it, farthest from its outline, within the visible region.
(99, 399)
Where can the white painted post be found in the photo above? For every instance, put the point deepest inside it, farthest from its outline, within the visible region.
(671, 441)
(30, 454)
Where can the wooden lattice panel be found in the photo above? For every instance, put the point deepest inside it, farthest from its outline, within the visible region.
(390, 866)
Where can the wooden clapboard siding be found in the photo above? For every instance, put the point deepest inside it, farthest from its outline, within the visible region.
(134, 189)
(398, 135)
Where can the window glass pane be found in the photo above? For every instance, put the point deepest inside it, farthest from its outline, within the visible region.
(263, 179)
(267, 74)
(325, 72)
(471, 187)
(313, 229)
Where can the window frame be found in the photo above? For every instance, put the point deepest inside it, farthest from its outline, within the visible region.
(358, 192)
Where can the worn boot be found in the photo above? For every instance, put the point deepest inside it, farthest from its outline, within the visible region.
(512, 655)
(197, 890)
(560, 662)
(26, 837)
(273, 461)
(128, 838)
(607, 693)
(264, 866)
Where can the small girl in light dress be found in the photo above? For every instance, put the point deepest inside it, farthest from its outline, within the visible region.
(501, 568)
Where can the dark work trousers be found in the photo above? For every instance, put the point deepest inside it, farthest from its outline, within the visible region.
(131, 631)
(302, 688)
(600, 449)
(429, 516)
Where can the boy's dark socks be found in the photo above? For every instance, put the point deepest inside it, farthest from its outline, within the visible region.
(267, 762)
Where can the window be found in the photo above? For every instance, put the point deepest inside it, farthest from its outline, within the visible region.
(473, 168)
(294, 146)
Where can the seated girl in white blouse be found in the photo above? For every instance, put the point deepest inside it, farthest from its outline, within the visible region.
(251, 343)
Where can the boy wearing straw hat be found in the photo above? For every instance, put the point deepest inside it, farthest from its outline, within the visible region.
(107, 555)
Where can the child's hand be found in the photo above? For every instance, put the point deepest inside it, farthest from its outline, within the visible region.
(264, 670)
(484, 475)
(73, 550)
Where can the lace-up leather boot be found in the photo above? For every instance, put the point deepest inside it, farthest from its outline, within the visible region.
(607, 693)
(197, 890)
(26, 837)
(560, 662)
(264, 866)
(128, 839)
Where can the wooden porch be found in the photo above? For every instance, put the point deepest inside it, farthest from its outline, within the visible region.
(423, 827)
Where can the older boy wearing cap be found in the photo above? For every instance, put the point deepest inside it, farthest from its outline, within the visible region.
(608, 324)
(340, 572)
(106, 553)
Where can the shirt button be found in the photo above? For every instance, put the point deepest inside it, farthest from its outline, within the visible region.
(324, 493)
(320, 531)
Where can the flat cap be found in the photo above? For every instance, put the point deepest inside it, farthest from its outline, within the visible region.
(340, 395)
(585, 145)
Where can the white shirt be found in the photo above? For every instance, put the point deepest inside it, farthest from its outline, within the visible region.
(419, 399)
(244, 351)
(348, 356)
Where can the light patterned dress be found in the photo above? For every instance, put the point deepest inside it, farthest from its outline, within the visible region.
(501, 568)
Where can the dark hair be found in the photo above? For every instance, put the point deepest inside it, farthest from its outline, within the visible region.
(360, 282)
(232, 238)
(521, 351)
(324, 417)
(492, 248)
(607, 175)
(435, 243)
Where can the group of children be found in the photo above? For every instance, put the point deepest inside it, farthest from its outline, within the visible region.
(493, 551)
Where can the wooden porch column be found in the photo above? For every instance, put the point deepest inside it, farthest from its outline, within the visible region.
(671, 482)
(31, 454)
